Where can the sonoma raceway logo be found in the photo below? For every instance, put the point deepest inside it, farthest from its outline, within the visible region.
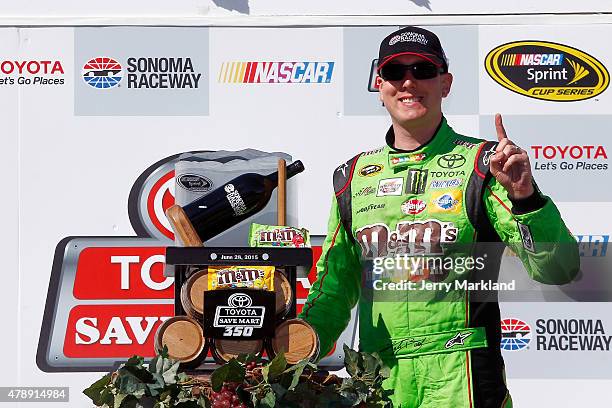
(102, 72)
(515, 334)
(571, 335)
(142, 73)
(550, 334)
(108, 296)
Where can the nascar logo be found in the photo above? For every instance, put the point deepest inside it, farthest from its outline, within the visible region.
(531, 59)
(276, 72)
(102, 72)
(515, 334)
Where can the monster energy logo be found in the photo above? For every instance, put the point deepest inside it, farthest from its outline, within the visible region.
(417, 180)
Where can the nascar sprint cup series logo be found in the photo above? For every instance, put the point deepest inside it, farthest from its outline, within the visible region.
(547, 71)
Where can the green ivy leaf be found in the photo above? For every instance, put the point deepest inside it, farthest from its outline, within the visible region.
(274, 368)
(135, 361)
(305, 363)
(247, 358)
(351, 361)
(161, 383)
(233, 371)
(165, 395)
(269, 400)
(170, 371)
(331, 398)
(351, 397)
(187, 404)
(119, 399)
(297, 370)
(138, 373)
(371, 368)
(131, 402)
(203, 402)
(153, 364)
(94, 391)
(157, 387)
(158, 379)
(384, 372)
(183, 394)
(107, 397)
(165, 367)
(279, 390)
(127, 383)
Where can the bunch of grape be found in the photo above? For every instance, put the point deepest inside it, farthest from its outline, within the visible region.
(227, 397)
(251, 366)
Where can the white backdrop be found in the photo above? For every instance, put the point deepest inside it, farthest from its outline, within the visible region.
(200, 8)
(69, 172)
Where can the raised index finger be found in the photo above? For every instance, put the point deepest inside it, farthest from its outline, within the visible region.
(499, 127)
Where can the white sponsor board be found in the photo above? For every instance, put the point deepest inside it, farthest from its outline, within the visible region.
(69, 172)
(215, 8)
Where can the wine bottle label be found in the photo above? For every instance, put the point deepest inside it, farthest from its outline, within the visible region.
(235, 200)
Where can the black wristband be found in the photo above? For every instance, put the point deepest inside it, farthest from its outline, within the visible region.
(525, 205)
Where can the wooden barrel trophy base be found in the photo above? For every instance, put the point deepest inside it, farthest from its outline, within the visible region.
(224, 350)
(283, 294)
(297, 339)
(192, 294)
(184, 338)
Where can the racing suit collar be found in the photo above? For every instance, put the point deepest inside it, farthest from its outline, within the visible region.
(401, 158)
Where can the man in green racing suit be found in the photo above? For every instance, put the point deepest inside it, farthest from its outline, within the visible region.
(427, 190)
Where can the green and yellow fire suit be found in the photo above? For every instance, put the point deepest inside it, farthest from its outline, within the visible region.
(443, 350)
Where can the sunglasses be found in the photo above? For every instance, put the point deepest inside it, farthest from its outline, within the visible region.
(420, 70)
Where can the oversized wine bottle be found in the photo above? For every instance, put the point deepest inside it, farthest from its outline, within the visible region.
(226, 206)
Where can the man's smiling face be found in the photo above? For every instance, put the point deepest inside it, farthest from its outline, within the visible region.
(412, 102)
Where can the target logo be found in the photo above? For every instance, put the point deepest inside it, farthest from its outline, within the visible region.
(102, 72)
(515, 334)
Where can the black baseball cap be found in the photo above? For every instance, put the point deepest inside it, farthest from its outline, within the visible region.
(412, 41)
